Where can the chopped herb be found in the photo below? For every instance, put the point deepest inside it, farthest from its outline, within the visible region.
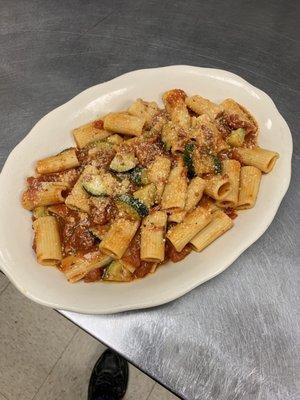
(188, 159)
(217, 164)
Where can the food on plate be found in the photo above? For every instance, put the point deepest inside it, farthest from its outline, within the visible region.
(144, 186)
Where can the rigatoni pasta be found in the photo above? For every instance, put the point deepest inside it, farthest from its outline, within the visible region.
(89, 133)
(124, 123)
(144, 186)
(249, 187)
(231, 168)
(47, 240)
(174, 195)
(65, 160)
(44, 194)
(219, 224)
(153, 237)
(194, 193)
(174, 101)
(117, 239)
(259, 158)
(182, 233)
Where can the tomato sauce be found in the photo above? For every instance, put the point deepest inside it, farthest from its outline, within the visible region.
(132, 254)
(146, 152)
(94, 275)
(175, 256)
(144, 269)
(98, 124)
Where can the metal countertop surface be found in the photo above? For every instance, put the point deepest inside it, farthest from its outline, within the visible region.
(234, 337)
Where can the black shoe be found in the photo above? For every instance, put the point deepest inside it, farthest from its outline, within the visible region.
(109, 378)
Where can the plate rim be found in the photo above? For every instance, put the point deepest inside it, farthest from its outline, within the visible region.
(233, 255)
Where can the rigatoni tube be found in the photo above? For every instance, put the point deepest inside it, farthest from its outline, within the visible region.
(174, 195)
(231, 168)
(47, 240)
(118, 237)
(220, 224)
(217, 187)
(158, 173)
(48, 193)
(249, 186)
(78, 199)
(124, 123)
(62, 161)
(200, 106)
(174, 101)
(152, 237)
(182, 233)
(89, 133)
(259, 158)
(75, 268)
(194, 194)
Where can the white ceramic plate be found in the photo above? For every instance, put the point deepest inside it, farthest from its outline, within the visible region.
(51, 134)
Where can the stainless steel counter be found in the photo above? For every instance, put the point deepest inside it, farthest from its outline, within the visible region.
(235, 336)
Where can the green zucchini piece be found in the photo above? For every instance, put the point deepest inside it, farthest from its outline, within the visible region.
(146, 194)
(98, 232)
(115, 139)
(168, 135)
(132, 206)
(94, 185)
(117, 272)
(188, 159)
(40, 211)
(100, 145)
(139, 176)
(236, 137)
(123, 162)
(217, 164)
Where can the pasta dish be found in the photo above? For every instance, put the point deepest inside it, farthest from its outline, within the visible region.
(144, 186)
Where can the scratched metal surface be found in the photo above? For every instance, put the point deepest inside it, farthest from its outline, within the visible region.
(236, 336)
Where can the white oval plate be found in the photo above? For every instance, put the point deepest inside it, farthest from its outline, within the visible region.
(51, 134)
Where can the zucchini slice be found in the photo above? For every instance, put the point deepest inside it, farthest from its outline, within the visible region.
(133, 207)
(100, 145)
(115, 139)
(139, 176)
(123, 162)
(236, 138)
(40, 211)
(98, 231)
(94, 185)
(188, 159)
(146, 194)
(217, 164)
(117, 272)
(169, 135)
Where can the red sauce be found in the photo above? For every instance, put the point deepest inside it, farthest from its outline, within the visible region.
(98, 124)
(230, 212)
(143, 270)
(70, 177)
(103, 212)
(77, 238)
(132, 254)
(82, 156)
(66, 213)
(94, 275)
(175, 256)
(75, 233)
(228, 122)
(147, 151)
(102, 158)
